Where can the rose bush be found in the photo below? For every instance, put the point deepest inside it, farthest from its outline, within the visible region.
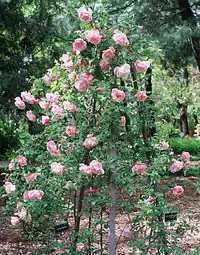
(92, 141)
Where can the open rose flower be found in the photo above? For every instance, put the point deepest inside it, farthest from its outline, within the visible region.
(33, 195)
(177, 191)
(80, 247)
(90, 142)
(11, 165)
(176, 166)
(117, 95)
(120, 38)
(31, 116)
(44, 104)
(141, 96)
(9, 187)
(57, 168)
(185, 156)
(87, 76)
(79, 44)
(122, 121)
(122, 71)
(52, 149)
(70, 130)
(109, 53)
(103, 65)
(96, 167)
(52, 97)
(69, 107)
(19, 103)
(163, 146)
(31, 177)
(82, 85)
(142, 66)
(28, 97)
(57, 110)
(85, 14)
(22, 161)
(72, 76)
(139, 168)
(93, 36)
(45, 120)
(85, 169)
(15, 221)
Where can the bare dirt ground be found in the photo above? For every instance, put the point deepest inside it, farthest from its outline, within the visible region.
(13, 242)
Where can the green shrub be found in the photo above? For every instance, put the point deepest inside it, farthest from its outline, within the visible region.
(190, 144)
(192, 171)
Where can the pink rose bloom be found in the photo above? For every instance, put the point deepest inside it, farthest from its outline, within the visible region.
(57, 168)
(9, 187)
(45, 120)
(90, 142)
(109, 53)
(87, 76)
(140, 168)
(96, 167)
(122, 71)
(70, 130)
(79, 44)
(52, 149)
(84, 14)
(117, 95)
(82, 85)
(23, 215)
(31, 116)
(57, 110)
(99, 89)
(31, 177)
(72, 76)
(85, 169)
(19, 103)
(120, 38)
(22, 161)
(122, 121)
(28, 97)
(176, 166)
(14, 221)
(185, 156)
(80, 247)
(103, 65)
(141, 96)
(163, 146)
(142, 66)
(44, 104)
(33, 195)
(52, 97)
(150, 199)
(177, 191)
(69, 66)
(93, 36)
(171, 154)
(69, 107)
(11, 165)
(65, 58)
(140, 28)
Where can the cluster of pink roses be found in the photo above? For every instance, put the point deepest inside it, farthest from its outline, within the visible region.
(90, 142)
(57, 168)
(176, 191)
(52, 148)
(139, 168)
(95, 167)
(49, 77)
(33, 195)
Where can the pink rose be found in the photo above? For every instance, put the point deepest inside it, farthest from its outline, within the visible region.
(93, 36)
(52, 149)
(103, 64)
(140, 168)
(122, 121)
(141, 96)
(45, 120)
(57, 110)
(109, 53)
(33, 195)
(117, 95)
(57, 168)
(122, 71)
(150, 199)
(177, 191)
(163, 146)
(31, 177)
(44, 104)
(23, 215)
(120, 38)
(70, 130)
(9, 187)
(79, 44)
(11, 165)
(171, 154)
(90, 142)
(19, 103)
(69, 66)
(66, 235)
(85, 169)
(142, 66)
(72, 76)
(65, 58)
(82, 85)
(22, 161)
(140, 28)
(84, 14)
(86, 76)
(185, 156)
(69, 107)
(176, 166)
(31, 116)
(80, 247)
(96, 167)
(14, 221)
(28, 97)
(52, 97)
(99, 89)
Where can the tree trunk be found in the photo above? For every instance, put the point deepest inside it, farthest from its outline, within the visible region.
(184, 119)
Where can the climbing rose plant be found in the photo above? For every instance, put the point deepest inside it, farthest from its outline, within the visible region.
(91, 161)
